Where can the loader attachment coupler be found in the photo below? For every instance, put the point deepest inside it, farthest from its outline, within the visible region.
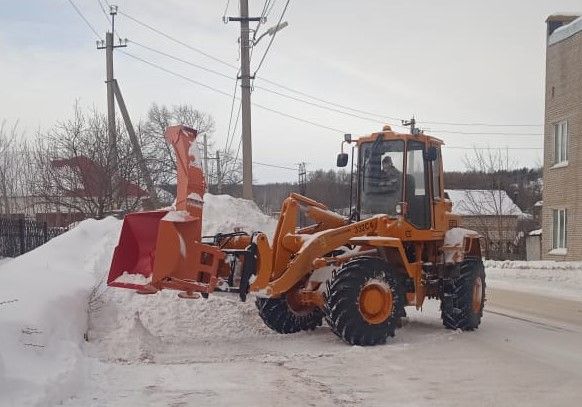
(163, 249)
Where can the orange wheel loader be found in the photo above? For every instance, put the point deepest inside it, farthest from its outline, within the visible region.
(400, 245)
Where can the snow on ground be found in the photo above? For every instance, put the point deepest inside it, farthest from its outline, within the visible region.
(162, 350)
(47, 295)
(549, 278)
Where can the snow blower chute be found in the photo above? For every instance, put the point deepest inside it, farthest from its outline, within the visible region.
(163, 249)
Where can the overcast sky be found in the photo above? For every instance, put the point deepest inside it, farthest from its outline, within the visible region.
(449, 61)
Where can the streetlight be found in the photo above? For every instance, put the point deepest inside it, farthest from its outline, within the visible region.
(271, 31)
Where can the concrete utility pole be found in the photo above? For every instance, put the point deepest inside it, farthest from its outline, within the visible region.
(109, 46)
(114, 92)
(245, 85)
(206, 173)
(218, 173)
(412, 123)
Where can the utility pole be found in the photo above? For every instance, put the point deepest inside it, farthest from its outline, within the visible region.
(218, 173)
(245, 85)
(205, 145)
(302, 181)
(109, 46)
(114, 92)
(412, 123)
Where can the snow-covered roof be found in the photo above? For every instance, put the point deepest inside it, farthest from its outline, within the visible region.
(537, 232)
(480, 202)
(539, 203)
(565, 31)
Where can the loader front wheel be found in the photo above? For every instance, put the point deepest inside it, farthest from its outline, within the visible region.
(364, 302)
(464, 298)
(279, 315)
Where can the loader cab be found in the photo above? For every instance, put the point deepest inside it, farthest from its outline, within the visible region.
(398, 174)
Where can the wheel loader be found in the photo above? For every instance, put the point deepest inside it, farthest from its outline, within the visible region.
(400, 245)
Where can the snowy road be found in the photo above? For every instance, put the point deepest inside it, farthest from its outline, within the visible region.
(527, 352)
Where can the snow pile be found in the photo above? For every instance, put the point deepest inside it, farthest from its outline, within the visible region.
(54, 296)
(223, 213)
(44, 316)
(562, 279)
(131, 327)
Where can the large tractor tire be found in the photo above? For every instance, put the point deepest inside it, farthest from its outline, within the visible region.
(464, 297)
(364, 302)
(279, 315)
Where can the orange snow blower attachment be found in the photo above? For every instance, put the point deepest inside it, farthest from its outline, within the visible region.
(163, 249)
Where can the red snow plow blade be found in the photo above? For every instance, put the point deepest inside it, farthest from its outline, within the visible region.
(162, 249)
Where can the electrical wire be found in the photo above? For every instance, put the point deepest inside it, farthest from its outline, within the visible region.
(231, 114)
(272, 38)
(186, 78)
(175, 58)
(310, 96)
(206, 54)
(85, 19)
(491, 148)
(290, 97)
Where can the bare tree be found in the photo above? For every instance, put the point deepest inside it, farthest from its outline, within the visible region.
(74, 172)
(15, 171)
(159, 155)
(491, 207)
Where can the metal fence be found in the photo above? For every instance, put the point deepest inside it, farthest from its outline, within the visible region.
(19, 235)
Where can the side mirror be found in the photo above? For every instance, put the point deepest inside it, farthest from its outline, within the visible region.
(431, 154)
(342, 159)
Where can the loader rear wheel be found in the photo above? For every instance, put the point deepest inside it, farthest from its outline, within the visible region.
(464, 298)
(286, 318)
(364, 302)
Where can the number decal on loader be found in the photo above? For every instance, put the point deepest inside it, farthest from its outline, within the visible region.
(364, 227)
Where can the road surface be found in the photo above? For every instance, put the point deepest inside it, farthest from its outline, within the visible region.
(528, 352)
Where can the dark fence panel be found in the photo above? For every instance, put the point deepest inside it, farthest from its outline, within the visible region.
(19, 235)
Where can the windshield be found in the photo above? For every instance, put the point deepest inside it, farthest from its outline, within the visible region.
(381, 172)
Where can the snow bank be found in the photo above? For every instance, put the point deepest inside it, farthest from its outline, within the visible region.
(223, 213)
(550, 278)
(44, 315)
(46, 295)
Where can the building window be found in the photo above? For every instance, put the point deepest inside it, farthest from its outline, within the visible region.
(561, 142)
(559, 236)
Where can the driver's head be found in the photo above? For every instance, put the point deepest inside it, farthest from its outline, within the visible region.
(387, 163)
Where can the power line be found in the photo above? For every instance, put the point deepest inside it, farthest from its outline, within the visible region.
(175, 58)
(272, 39)
(320, 105)
(186, 78)
(206, 54)
(305, 94)
(102, 7)
(471, 133)
(480, 124)
(261, 19)
(491, 148)
(84, 19)
(231, 113)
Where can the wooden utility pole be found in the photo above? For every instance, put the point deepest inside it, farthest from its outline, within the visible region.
(245, 85)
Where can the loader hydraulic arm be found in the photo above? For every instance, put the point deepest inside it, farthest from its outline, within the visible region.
(294, 250)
